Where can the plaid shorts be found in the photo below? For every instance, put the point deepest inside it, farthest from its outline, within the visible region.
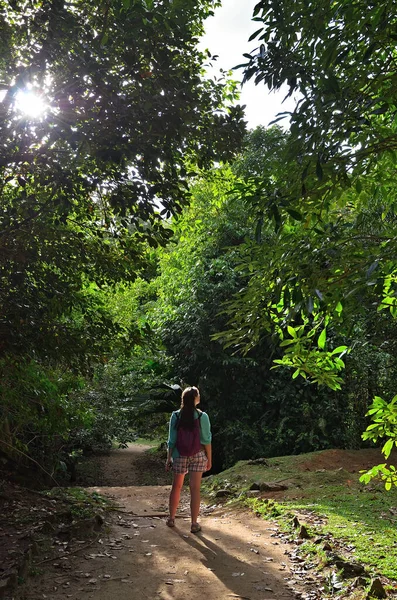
(190, 464)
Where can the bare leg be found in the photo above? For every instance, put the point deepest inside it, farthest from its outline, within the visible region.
(194, 484)
(177, 483)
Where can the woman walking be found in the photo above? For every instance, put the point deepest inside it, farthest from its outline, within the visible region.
(189, 451)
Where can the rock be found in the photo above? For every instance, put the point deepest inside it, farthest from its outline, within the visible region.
(252, 493)
(327, 547)
(359, 582)
(349, 569)
(82, 527)
(377, 590)
(255, 486)
(303, 533)
(258, 461)
(268, 487)
(223, 493)
(272, 487)
(295, 522)
(98, 522)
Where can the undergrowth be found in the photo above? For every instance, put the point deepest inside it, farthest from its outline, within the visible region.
(82, 504)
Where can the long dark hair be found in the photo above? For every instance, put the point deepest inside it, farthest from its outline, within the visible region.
(186, 418)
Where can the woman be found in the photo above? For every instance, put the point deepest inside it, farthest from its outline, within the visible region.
(189, 451)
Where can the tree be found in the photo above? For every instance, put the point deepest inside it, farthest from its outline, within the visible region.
(332, 260)
(129, 116)
(87, 187)
(254, 410)
(339, 59)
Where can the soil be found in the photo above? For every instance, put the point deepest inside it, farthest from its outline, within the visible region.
(351, 460)
(236, 555)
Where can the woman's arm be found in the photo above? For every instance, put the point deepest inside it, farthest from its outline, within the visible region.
(208, 451)
(171, 442)
(206, 437)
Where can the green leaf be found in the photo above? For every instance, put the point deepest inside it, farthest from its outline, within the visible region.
(339, 308)
(322, 339)
(387, 448)
(287, 343)
(294, 214)
(255, 34)
(339, 350)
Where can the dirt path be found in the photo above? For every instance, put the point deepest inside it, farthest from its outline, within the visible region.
(137, 556)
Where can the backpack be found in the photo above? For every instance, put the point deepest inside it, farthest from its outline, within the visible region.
(188, 440)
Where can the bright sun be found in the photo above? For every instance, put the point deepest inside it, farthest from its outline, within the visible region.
(30, 104)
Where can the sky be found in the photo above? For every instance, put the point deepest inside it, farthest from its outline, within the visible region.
(227, 35)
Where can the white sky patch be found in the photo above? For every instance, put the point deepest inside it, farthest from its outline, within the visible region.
(226, 34)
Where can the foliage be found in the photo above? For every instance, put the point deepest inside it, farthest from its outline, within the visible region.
(86, 191)
(82, 504)
(49, 416)
(328, 263)
(38, 410)
(129, 117)
(384, 425)
(197, 276)
(340, 61)
(230, 277)
(342, 134)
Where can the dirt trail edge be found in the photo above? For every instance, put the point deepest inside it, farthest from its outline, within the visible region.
(236, 555)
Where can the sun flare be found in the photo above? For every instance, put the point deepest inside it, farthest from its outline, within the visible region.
(30, 104)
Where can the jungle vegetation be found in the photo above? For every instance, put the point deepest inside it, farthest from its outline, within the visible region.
(148, 241)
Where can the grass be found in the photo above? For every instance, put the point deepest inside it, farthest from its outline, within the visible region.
(147, 442)
(362, 517)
